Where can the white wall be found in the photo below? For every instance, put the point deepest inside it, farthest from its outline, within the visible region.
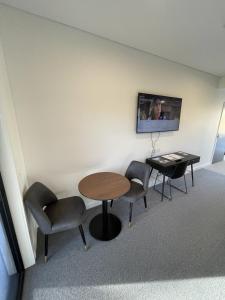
(222, 83)
(75, 97)
(12, 166)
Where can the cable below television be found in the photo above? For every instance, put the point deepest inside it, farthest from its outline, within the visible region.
(154, 141)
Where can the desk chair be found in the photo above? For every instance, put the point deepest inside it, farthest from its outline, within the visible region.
(174, 173)
(140, 171)
(53, 215)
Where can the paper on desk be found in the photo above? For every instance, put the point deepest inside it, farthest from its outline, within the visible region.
(168, 156)
(163, 161)
(175, 156)
(172, 156)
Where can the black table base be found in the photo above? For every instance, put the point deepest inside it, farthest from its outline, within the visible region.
(104, 226)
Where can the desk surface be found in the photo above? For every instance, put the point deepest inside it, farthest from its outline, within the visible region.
(104, 186)
(162, 162)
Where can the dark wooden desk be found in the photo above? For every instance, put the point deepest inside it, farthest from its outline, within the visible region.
(162, 164)
(104, 186)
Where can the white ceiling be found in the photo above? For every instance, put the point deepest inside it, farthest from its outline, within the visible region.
(191, 32)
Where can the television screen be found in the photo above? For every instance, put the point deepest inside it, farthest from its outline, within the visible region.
(157, 113)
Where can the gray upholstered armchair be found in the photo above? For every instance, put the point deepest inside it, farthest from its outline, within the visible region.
(140, 171)
(52, 215)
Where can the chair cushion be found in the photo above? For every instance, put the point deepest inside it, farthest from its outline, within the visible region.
(135, 193)
(66, 213)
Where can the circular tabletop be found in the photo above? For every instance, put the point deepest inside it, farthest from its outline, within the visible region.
(104, 186)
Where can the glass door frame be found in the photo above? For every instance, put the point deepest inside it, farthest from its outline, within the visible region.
(217, 132)
(11, 236)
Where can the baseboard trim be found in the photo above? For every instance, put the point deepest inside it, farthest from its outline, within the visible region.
(202, 166)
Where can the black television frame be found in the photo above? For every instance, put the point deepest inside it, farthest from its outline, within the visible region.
(156, 95)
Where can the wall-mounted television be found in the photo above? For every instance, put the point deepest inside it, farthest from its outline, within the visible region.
(156, 113)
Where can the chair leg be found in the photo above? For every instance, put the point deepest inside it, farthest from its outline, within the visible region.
(83, 236)
(156, 180)
(46, 248)
(145, 201)
(192, 174)
(163, 186)
(181, 190)
(130, 214)
(185, 183)
(111, 203)
(170, 190)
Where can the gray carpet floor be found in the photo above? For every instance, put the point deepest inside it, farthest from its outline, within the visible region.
(174, 250)
(218, 167)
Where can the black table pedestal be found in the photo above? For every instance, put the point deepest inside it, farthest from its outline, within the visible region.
(104, 226)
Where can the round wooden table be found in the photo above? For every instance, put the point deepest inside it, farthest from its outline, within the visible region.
(104, 186)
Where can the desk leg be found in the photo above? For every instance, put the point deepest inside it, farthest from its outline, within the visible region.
(163, 186)
(192, 174)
